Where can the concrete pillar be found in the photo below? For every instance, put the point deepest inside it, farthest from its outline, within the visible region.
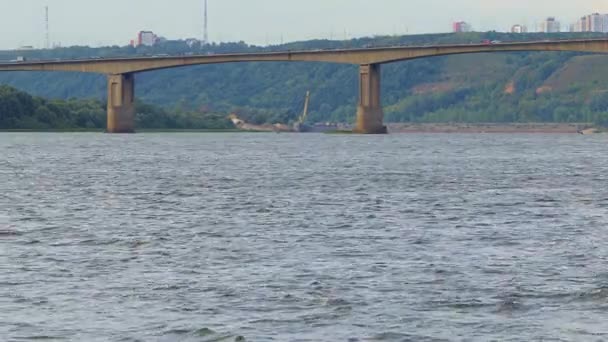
(121, 108)
(370, 116)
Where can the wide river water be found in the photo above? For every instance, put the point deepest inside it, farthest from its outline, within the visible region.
(303, 237)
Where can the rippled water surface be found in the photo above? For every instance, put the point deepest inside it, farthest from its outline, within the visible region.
(280, 237)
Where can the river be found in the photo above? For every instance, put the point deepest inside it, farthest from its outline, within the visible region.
(303, 237)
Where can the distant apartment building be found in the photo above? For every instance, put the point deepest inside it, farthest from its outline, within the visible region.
(519, 29)
(550, 25)
(581, 25)
(461, 26)
(591, 23)
(146, 38)
(596, 23)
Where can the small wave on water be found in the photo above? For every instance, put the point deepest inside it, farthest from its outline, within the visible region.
(599, 294)
(200, 335)
(42, 338)
(402, 337)
(510, 305)
(8, 232)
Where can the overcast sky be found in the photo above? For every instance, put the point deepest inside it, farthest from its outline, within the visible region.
(104, 22)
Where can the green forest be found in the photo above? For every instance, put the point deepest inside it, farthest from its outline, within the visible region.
(499, 87)
(19, 110)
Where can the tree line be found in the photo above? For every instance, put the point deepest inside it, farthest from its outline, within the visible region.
(20, 110)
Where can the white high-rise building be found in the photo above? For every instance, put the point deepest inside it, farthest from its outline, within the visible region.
(591, 23)
(596, 23)
(583, 24)
(519, 29)
(550, 25)
(146, 38)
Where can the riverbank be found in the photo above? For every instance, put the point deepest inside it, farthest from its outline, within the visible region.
(544, 128)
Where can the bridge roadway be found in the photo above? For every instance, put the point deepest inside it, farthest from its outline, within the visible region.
(121, 82)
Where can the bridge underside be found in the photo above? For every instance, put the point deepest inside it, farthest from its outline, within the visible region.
(370, 116)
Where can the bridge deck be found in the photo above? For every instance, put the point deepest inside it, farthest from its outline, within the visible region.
(359, 56)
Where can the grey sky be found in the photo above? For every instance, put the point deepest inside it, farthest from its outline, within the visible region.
(103, 22)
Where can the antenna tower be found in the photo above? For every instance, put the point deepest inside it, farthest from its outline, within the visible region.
(47, 42)
(206, 28)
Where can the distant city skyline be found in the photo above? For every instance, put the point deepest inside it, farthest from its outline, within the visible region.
(116, 22)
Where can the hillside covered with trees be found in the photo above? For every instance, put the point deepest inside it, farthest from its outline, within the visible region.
(500, 87)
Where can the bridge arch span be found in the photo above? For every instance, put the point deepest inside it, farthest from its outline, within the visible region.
(589, 46)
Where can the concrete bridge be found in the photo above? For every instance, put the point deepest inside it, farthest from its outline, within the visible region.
(121, 83)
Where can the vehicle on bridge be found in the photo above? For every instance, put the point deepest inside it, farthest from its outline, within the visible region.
(490, 42)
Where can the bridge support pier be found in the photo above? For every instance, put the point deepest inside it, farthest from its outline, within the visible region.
(370, 116)
(121, 107)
